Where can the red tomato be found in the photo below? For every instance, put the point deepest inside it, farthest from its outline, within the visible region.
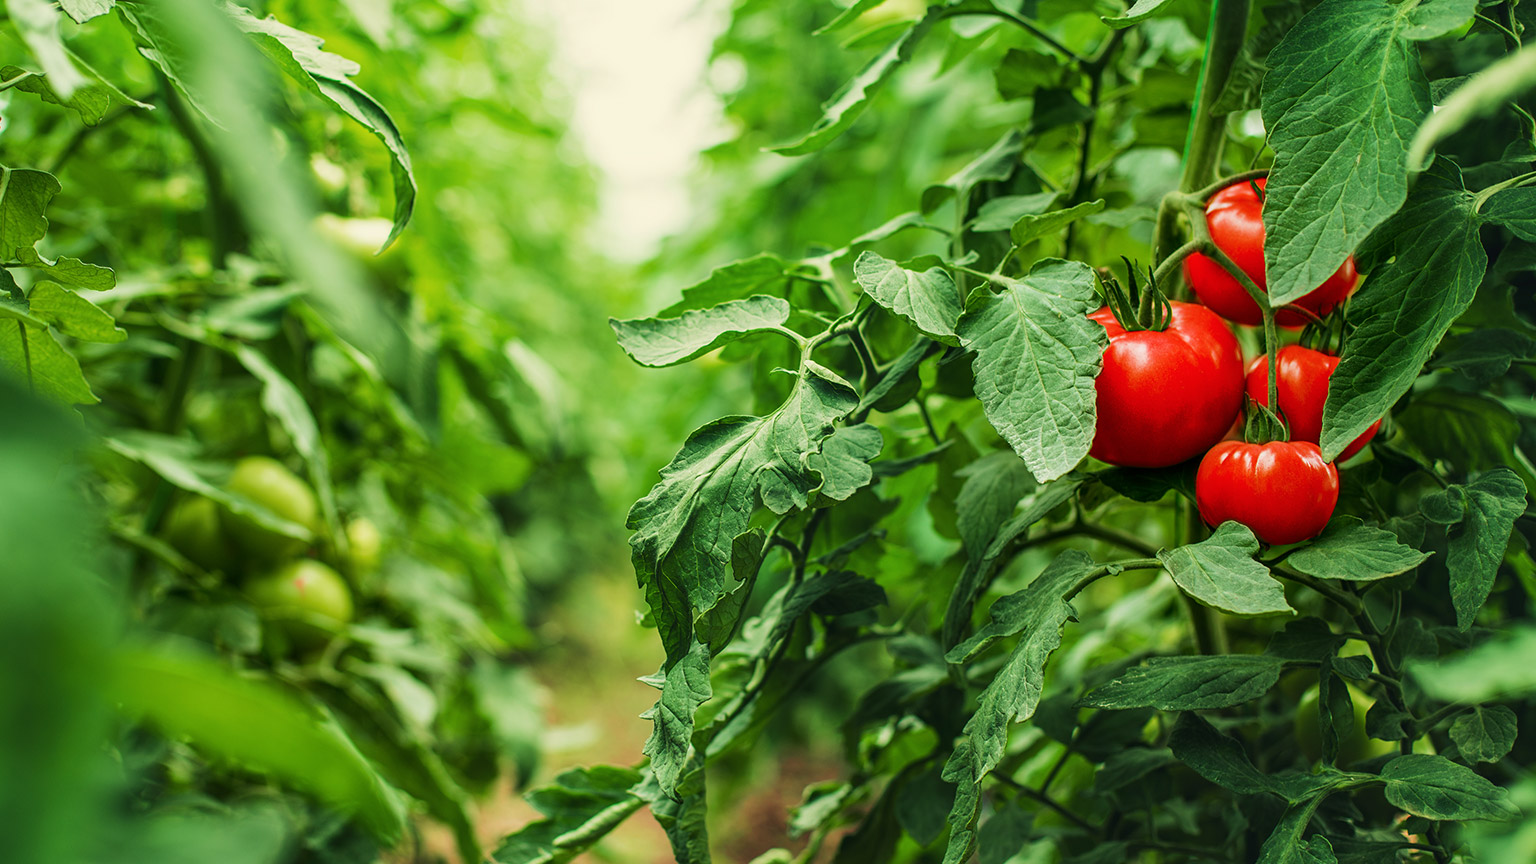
(1166, 396)
(1282, 490)
(1301, 380)
(1235, 225)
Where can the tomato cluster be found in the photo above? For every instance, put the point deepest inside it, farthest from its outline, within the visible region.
(303, 600)
(1171, 391)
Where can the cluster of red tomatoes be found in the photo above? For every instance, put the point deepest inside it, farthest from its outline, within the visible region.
(1167, 396)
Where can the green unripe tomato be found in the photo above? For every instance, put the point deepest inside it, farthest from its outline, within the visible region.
(1355, 747)
(196, 529)
(364, 544)
(266, 482)
(304, 600)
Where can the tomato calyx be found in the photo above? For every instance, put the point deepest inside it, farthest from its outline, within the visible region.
(1264, 425)
(1136, 308)
(1326, 334)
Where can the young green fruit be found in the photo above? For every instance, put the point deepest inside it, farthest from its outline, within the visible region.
(365, 544)
(196, 529)
(1355, 747)
(267, 483)
(304, 600)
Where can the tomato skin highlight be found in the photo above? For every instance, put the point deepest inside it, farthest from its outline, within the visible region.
(1283, 491)
(1233, 218)
(1301, 380)
(1165, 397)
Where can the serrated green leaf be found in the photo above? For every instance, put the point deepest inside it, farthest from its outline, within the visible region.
(1022, 72)
(1220, 571)
(843, 462)
(1189, 683)
(1437, 788)
(929, 300)
(1340, 135)
(35, 359)
(196, 697)
(1037, 354)
(684, 687)
(70, 271)
(73, 315)
(1285, 844)
(580, 806)
(1350, 550)
(1492, 503)
(91, 100)
(1469, 431)
(847, 16)
(24, 196)
(1222, 760)
(84, 10)
(1031, 228)
(328, 76)
(738, 280)
(1039, 612)
(685, 525)
(994, 485)
(1013, 614)
(682, 816)
(1515, 209)
(1406, 306)
(657, 342)
(1000, 214)
(1140, 11)
(1486, 734)
(38, 23)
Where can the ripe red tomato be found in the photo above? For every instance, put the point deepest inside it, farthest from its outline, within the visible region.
(1282, 490)
(1233, 217)
(1301, 379)
(1166, 396)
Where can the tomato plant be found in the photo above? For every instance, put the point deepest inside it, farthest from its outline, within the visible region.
(1236, 227)
(1301, 378)
(269, 485)
(1165, 396)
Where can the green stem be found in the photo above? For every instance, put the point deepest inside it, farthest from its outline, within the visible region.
(1034, 30)
(1344, 601)
(1048, 801)
(1223, 40)
(1095, 73)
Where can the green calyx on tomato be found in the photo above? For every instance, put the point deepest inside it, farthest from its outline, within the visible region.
(1283, 490)
(196, 529)
(303, 599)
(1135, 308)
(1164, 397)
(1233, 217)
(1301, 379)
(268, 484)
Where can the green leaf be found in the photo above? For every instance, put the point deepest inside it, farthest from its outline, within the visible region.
(1486, 354)
(24, 195)
(1140, 11)
(1220, 572)
(1437, 788)
(33, 357)
(1470, 431)
(1476, 544)
(994, 485)
(957, 616)
(1222, 760)
(1406, 306)
(999, 214)
(38, 23)
(92, 100)
(683, 817)
(706, 497)
(194, 697)
(1487, 734)
(1350, 550)
(1515, 209)
(1496, 669)
(657, 342)
(684, 687)
(843, 462)
(73, 315)
(1128, 766)
(1493, 87)
(581, 807)
(1039, 612)
(284, 403)
(84, 10)
(738, 280)
(70, 271)
(922, 803)
(328, 76)
(1189, 683)
(995, 164)
(1285, 844)
(1343, 96)
(847, 16)
(1031, 228)
(1037, 354)
(929, 300)
(1022, 72)
(1013, 614)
